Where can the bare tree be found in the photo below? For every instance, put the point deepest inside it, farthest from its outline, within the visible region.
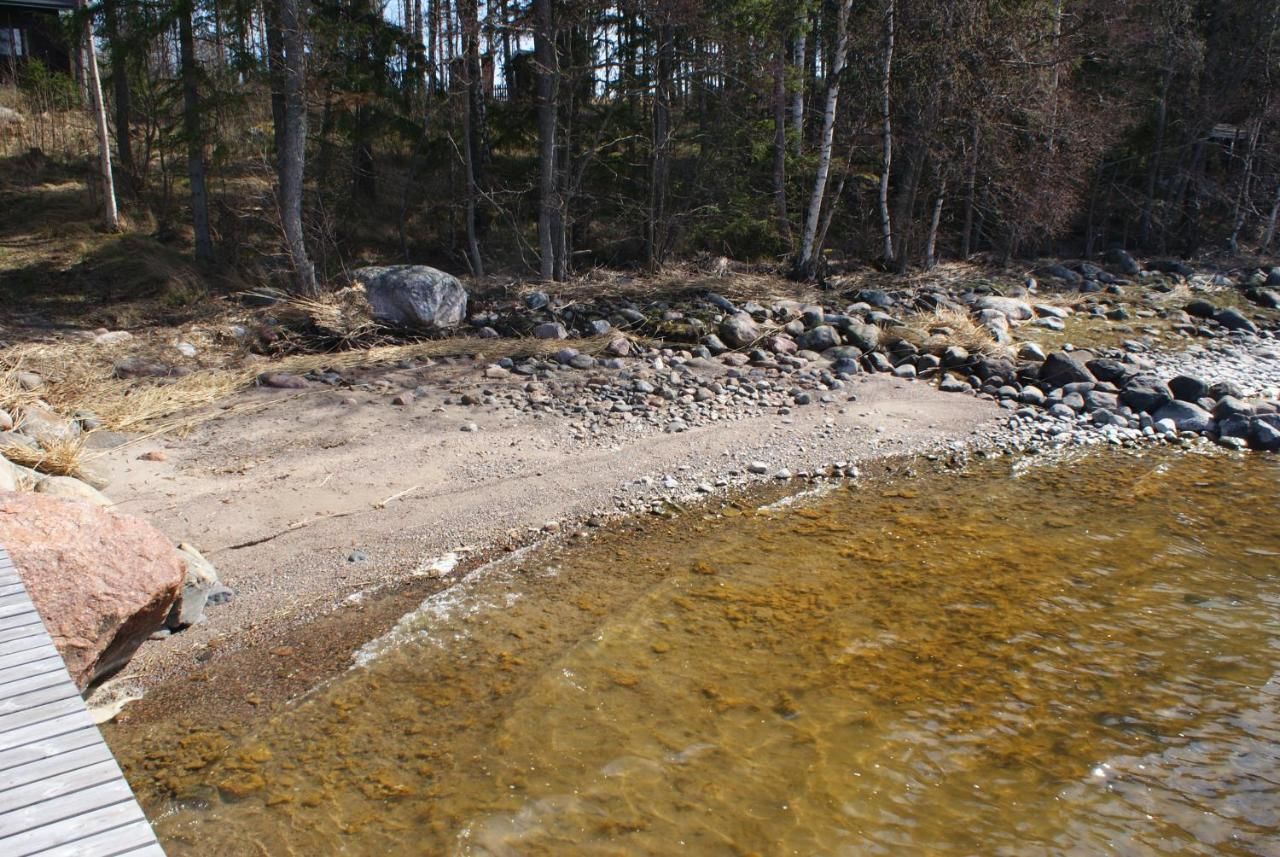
(110, 215)
(780, 142)
(473, 116)
(886, 130)
(544, 49)
(193, 132)
(293, 145)
(806, 261)
(120, 90)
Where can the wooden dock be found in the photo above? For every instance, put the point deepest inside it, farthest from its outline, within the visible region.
(61, 791)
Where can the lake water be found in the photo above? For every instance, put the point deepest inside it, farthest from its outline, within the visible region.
(1023, 658)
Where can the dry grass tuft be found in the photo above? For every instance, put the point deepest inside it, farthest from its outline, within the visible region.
(936, 331)
(342, 318)
(128, 406)
(54, 458)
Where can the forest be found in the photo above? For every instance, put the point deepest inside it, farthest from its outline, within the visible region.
(287, 141)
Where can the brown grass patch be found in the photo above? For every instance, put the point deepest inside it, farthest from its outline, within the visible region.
(937, 331)
(676, 281)
(53, 458)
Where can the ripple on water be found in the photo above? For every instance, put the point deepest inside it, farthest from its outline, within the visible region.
(1058, 659)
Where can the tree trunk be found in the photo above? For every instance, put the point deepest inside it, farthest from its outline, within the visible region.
(110, 216)
(276, 73)
(1272, 218)
(657, 227)
(931, 245)
(1157, 147)
(806, 262)
(544, 47)
(780, 144)
(195, 135)
(1055, 75)
(797, 93)
(472, 117)
(120, 87)
(1242, 197)
(886, 161)
(293, 148)
(970, 194)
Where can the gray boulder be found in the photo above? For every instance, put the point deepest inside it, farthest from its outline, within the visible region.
(1146, 393)
(1061, 273)
(1188, 389)
(819, 339)
(739, 330)
(1235, 425)
(1060, 368)
(865, 337)
(1014, 309)
(550, 330)
(1265, 298)
(1265, 435)
(1123, 262)
(1186, 416)
(1232, 319)
(1106, 369)
(1200, 308)
(413, 295)
(1231, 406)
(955, 356)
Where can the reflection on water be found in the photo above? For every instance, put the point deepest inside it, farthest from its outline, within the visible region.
(1065, 659)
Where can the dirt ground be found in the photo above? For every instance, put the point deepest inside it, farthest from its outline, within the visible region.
(281, 498)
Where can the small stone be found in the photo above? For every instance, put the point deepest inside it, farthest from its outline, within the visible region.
(550, 330)
(405, 398)
(154, 455)
(29, 381)
(758, 468)
(1031, 351)
(906, 370)
(282, 381)
(469, 427)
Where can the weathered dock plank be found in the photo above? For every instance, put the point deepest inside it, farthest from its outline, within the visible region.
(61, 792)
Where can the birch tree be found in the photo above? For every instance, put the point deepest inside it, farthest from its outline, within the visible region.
(806, 259)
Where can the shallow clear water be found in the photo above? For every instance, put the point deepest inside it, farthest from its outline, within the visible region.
(1045, 659)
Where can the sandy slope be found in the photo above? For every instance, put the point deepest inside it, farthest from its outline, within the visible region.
(280, 497)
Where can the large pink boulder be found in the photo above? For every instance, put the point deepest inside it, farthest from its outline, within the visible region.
(102, 582)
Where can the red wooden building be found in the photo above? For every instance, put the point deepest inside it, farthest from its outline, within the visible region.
(31, 29)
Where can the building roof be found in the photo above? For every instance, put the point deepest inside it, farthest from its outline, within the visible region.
(41, 5)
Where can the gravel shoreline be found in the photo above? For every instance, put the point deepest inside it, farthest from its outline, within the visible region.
(327, 512)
